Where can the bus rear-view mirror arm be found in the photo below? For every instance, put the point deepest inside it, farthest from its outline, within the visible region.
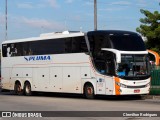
(118, 54)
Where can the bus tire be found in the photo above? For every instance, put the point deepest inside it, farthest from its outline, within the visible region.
(18, 89)
(27, 89)
(89, 91)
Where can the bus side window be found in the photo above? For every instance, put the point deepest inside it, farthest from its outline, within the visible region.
(19, 49)
(110, 66)
(30, 52)
(79, 45)
(83, 45)
(68, 45)
(12, 50)
(8, 50)
(104, 62)
(75, 45)
(25, 49)
(4, 50)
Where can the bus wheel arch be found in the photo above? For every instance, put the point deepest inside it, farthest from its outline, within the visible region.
(18, 88)
(27, 88)
(88, 90)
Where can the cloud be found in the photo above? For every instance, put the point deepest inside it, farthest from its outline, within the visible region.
(30, 5)
(33, 23)
(41, 5)
(121, 3)
(53, 3)
(25, 5)
(38, 23)
(69, 1)
(44, 4)
(141, 3)
(2, 19)
(113, 9)
(116, 6)
(89, 3)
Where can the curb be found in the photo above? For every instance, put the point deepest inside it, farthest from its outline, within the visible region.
(154, 97)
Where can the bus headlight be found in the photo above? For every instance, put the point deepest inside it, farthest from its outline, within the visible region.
(121, 85)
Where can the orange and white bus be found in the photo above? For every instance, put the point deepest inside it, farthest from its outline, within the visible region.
(106, 62)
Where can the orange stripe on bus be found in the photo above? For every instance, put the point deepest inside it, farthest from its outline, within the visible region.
(117, 87)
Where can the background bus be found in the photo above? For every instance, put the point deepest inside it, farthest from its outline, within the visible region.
(154, 57)
(95, 63)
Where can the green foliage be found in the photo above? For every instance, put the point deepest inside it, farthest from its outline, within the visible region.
(150, 28)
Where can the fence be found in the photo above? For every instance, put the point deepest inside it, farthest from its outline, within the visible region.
(155, 81)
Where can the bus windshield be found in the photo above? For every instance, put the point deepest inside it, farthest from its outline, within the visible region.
(127, 43)
(133, 65)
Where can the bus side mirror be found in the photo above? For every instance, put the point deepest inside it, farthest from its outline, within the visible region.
(118, 57)
(116, 52)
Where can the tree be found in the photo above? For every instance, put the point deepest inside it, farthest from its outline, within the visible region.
(150, 28)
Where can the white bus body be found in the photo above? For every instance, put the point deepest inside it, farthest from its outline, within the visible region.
(67, 72)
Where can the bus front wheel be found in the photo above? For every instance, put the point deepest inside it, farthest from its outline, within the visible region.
(27, 89)
(89, 91)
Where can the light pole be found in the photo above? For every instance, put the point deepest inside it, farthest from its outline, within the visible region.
(6, 35)
(95, 15)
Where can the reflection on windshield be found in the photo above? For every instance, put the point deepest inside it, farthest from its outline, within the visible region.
(133, 65)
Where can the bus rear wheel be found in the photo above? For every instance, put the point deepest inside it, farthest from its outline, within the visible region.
(18, 89)
(89, 91)
(27, 89)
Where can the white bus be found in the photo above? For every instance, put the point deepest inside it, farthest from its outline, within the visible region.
(93, 63)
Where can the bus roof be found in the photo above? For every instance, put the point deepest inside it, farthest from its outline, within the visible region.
(65, 34)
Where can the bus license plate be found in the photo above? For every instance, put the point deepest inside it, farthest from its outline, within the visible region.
(136, 91)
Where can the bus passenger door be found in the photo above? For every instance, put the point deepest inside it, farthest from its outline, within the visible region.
(100, 84)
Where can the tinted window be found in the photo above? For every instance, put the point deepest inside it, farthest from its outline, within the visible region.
(55, 46)
(79, 45)
(46, 47)
(99, 41)
(104, 62)
(127, 43)
(4, 50)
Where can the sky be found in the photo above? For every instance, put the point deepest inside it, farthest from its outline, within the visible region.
(30, 18)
